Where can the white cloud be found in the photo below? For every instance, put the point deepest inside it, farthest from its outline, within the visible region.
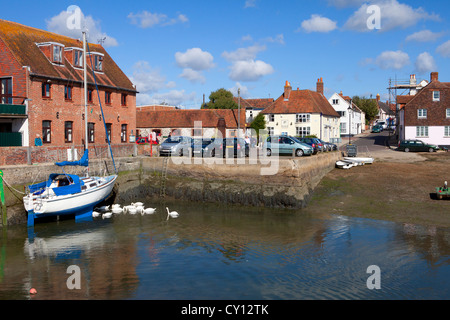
(148, 79)
(249, 70)
(61, 24)
(195, 59)
(244, 92)
(192, 75)
(248, 53)
(444, 49)
(147, 19)
(392, 60)
(393, 15)
(173, 97)
(424, 36)
(425, 63)
(193, 62)
(345, 3)
(318, 23)
(250, 4)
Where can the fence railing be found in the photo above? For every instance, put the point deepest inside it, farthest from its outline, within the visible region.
(51, 154)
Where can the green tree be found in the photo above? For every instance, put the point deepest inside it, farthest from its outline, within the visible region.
(259, 123)
(220, 99)
(368, 106)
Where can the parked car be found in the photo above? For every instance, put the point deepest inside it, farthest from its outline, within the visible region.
(377, 128)
(235, 147)
(313, 142)
(287, 145)
(175, 145)
(383, 124)
(206, 147)
(416, 145)
(326, 146)
(142, 140)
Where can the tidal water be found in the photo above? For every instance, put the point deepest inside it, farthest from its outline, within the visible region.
(217, 252)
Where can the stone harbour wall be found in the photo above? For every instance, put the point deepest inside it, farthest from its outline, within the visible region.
(282, 183)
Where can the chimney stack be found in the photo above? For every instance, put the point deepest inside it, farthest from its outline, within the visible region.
(287, 91)
(434, 76)
(320, 86)
(378, 97)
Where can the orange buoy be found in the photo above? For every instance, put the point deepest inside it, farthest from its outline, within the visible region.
(33, 291)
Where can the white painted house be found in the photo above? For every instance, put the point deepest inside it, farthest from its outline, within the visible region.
(352, 119)
(303, 113)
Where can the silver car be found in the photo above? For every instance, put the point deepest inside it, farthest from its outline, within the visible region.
(287, 145)
(175, 145)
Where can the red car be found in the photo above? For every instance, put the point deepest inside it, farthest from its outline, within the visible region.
(143, 140)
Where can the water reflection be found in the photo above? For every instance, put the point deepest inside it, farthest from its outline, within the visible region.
(217, 252)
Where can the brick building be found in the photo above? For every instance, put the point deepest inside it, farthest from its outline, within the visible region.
(42, 90)
(425, 115)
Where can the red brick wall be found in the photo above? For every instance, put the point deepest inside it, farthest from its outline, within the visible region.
(9, 67)
(58, 111)
(436, 110)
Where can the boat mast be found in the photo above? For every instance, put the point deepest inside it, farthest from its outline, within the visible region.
(85, 98)
(85, 91)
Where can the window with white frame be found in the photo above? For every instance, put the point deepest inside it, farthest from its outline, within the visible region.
(343, 127)
(303, 131)
(422, 131)
(336, 101)
(57, 54)
(422, 113)
(447, 113)
(302, 117)
(271, 117)
(436, 96)
(447, 132)
(270, 131)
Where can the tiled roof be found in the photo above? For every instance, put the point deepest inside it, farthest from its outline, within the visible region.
(255, 103)
(187, 118)
(22, 41)
(302, 101)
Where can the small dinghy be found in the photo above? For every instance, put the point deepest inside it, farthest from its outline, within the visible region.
(344, 164)
(359, 161)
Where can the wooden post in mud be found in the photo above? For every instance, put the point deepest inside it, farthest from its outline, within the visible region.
(2, 203)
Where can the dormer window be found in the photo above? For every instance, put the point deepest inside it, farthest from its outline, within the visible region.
(57, 54)
(53, 51)
(78, 58)
(98, 63)
(96, 59)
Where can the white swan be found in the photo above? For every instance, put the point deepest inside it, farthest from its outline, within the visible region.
(107, 215)
(137, 204)
(103, 209)
(172, 214)
(95, 214)
(148, 211)
(140, 209)
(115, 206)
(131, 210)
(117, 210)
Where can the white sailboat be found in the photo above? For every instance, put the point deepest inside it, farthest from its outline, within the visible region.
(64, 194)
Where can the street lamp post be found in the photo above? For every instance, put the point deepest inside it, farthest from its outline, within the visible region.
(350, 123)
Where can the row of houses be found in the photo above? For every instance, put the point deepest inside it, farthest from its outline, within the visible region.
(41, 95)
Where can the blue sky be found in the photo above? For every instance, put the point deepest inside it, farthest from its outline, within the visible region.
(177, 51)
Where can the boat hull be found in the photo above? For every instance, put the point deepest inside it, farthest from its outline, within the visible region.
(359, 160)
(79, 204)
